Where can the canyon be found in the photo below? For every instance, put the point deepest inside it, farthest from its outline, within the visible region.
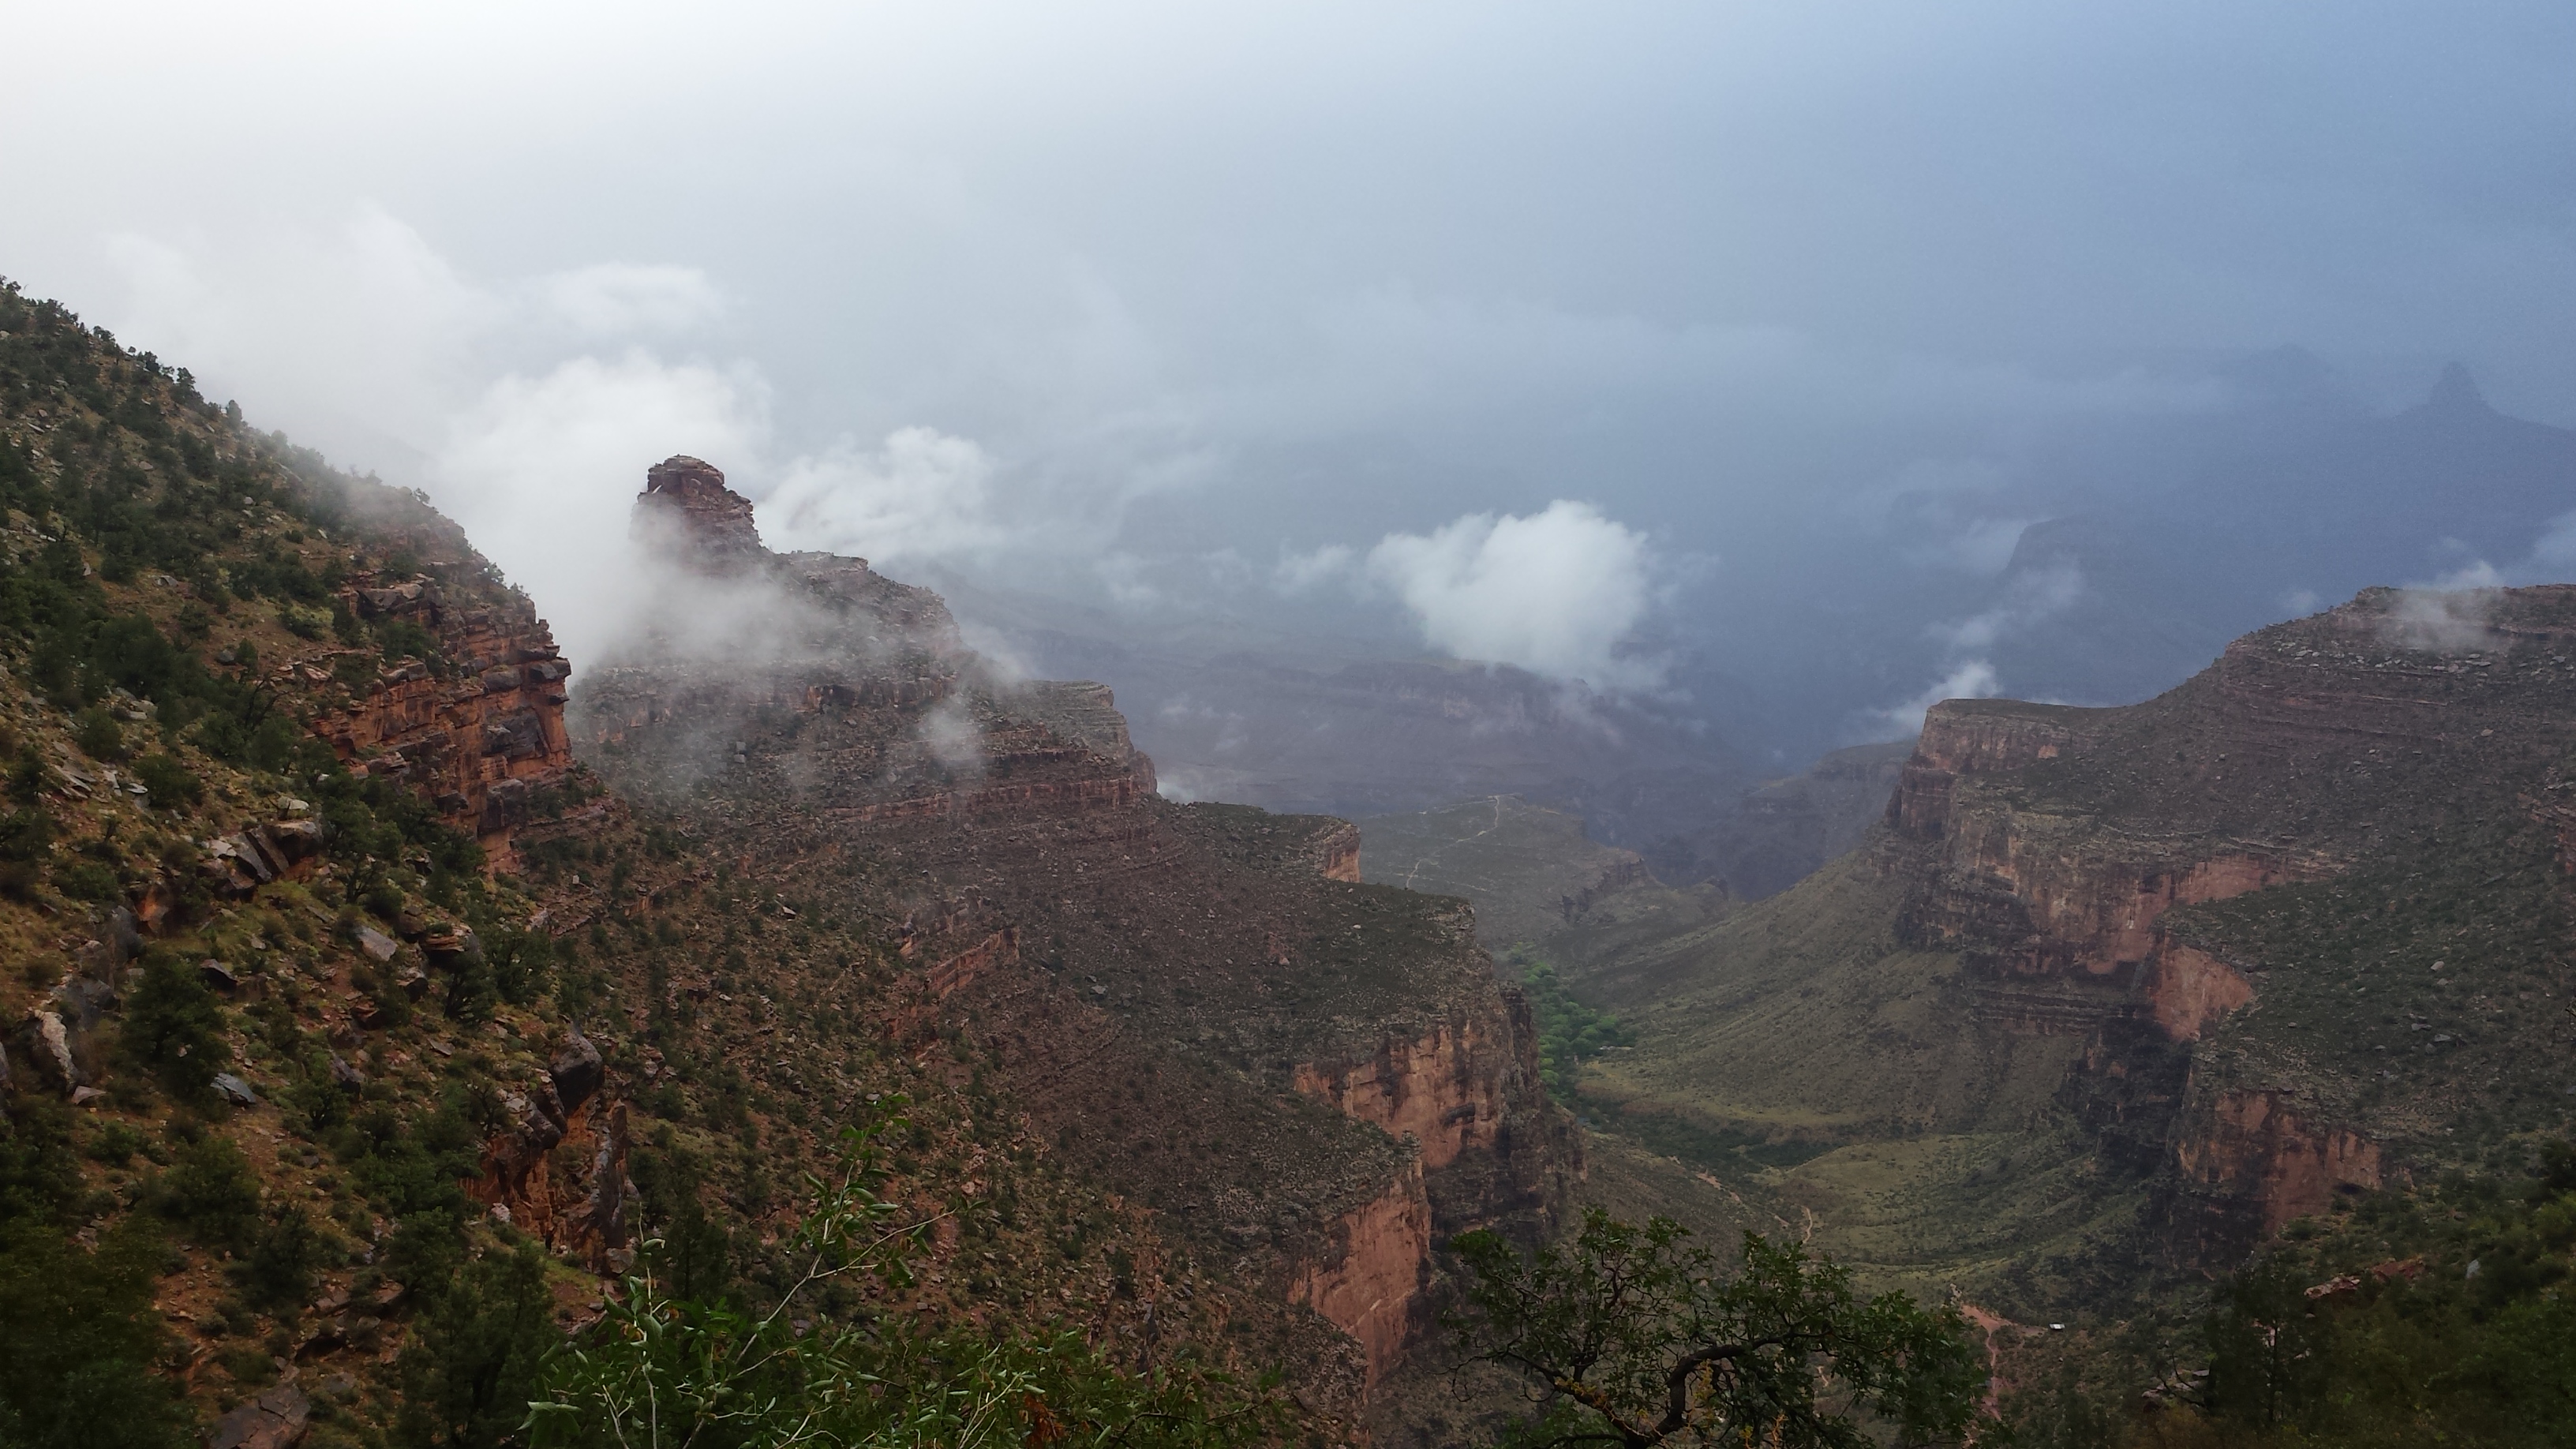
(2177, 963)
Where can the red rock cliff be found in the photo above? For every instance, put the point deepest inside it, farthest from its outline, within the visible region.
(475, 733)
(2048, 845)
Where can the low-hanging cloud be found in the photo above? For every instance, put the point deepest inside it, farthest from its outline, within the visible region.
(617, 299)
(542, 472)
(922, 494)
(1973, 679)
(1561, 592)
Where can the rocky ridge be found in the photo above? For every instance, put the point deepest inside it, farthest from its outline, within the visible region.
(1308, 1078)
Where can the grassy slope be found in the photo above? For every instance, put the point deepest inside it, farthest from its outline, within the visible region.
(1797, 1053)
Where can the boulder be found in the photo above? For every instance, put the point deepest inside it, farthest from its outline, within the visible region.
(219, 976)
(376, 943)
(274, 1420)
(123, 937)
(577, 1071)
(234, 1090)
(451, 947)
(346, 1077)
(47, 1047)
(296, 839)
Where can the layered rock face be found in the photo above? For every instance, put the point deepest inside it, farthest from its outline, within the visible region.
(1308, 1078)
(476, 733)
(2054, 847)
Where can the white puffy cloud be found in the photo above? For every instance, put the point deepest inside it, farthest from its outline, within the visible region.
(1298, 572)
(922, 494)
(1559, 593)
(2029, 598)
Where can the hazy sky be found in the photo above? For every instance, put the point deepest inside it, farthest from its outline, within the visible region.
(1259, 302)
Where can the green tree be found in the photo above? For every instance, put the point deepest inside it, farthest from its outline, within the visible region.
(1629, 1336)
(473, 1367)
(168, 782)
(82, 1337)
(174, 1026)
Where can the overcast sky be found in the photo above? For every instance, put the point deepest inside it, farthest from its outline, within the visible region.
(1294, 301)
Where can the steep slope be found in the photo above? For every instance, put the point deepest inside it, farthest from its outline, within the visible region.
(1307, 1077)
(342, 992)
(2123, 989)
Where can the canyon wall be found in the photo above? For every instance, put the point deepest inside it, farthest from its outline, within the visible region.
(1161, 985)
(2048, 846)
(476, 730)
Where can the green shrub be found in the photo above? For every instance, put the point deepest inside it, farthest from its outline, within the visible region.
(114, 1143)
(98, 736)
(211, 1191)
(39, 1172)
(278, 1273)
(476, 1360)
(88, 880)
(175, 1027)
(170, 783)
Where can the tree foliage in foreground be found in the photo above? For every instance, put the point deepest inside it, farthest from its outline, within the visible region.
(2441, 1315)
(663, 1372)
(1633, 1336)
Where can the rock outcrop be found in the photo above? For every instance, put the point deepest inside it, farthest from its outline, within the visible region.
(2059, 841)
(476, 730)
(1308, 1078)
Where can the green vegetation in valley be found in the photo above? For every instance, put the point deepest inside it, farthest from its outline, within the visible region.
(1569, 1032)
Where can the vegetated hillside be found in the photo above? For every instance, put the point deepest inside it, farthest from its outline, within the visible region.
(1306, 1079)
(358, 1037)
(2121, 993)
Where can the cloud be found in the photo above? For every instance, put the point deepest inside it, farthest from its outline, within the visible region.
(922, 494)
(2447, 619)
(360, 323)
(1974, 679)
(1298, 572)
(542, 473)
(2030, 597)
(618, 299)
(2553, 554)
(1559, 593)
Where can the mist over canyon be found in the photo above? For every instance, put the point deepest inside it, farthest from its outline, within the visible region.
(1293, 725)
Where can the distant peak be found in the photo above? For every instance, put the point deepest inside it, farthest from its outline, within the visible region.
(2456, 392)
